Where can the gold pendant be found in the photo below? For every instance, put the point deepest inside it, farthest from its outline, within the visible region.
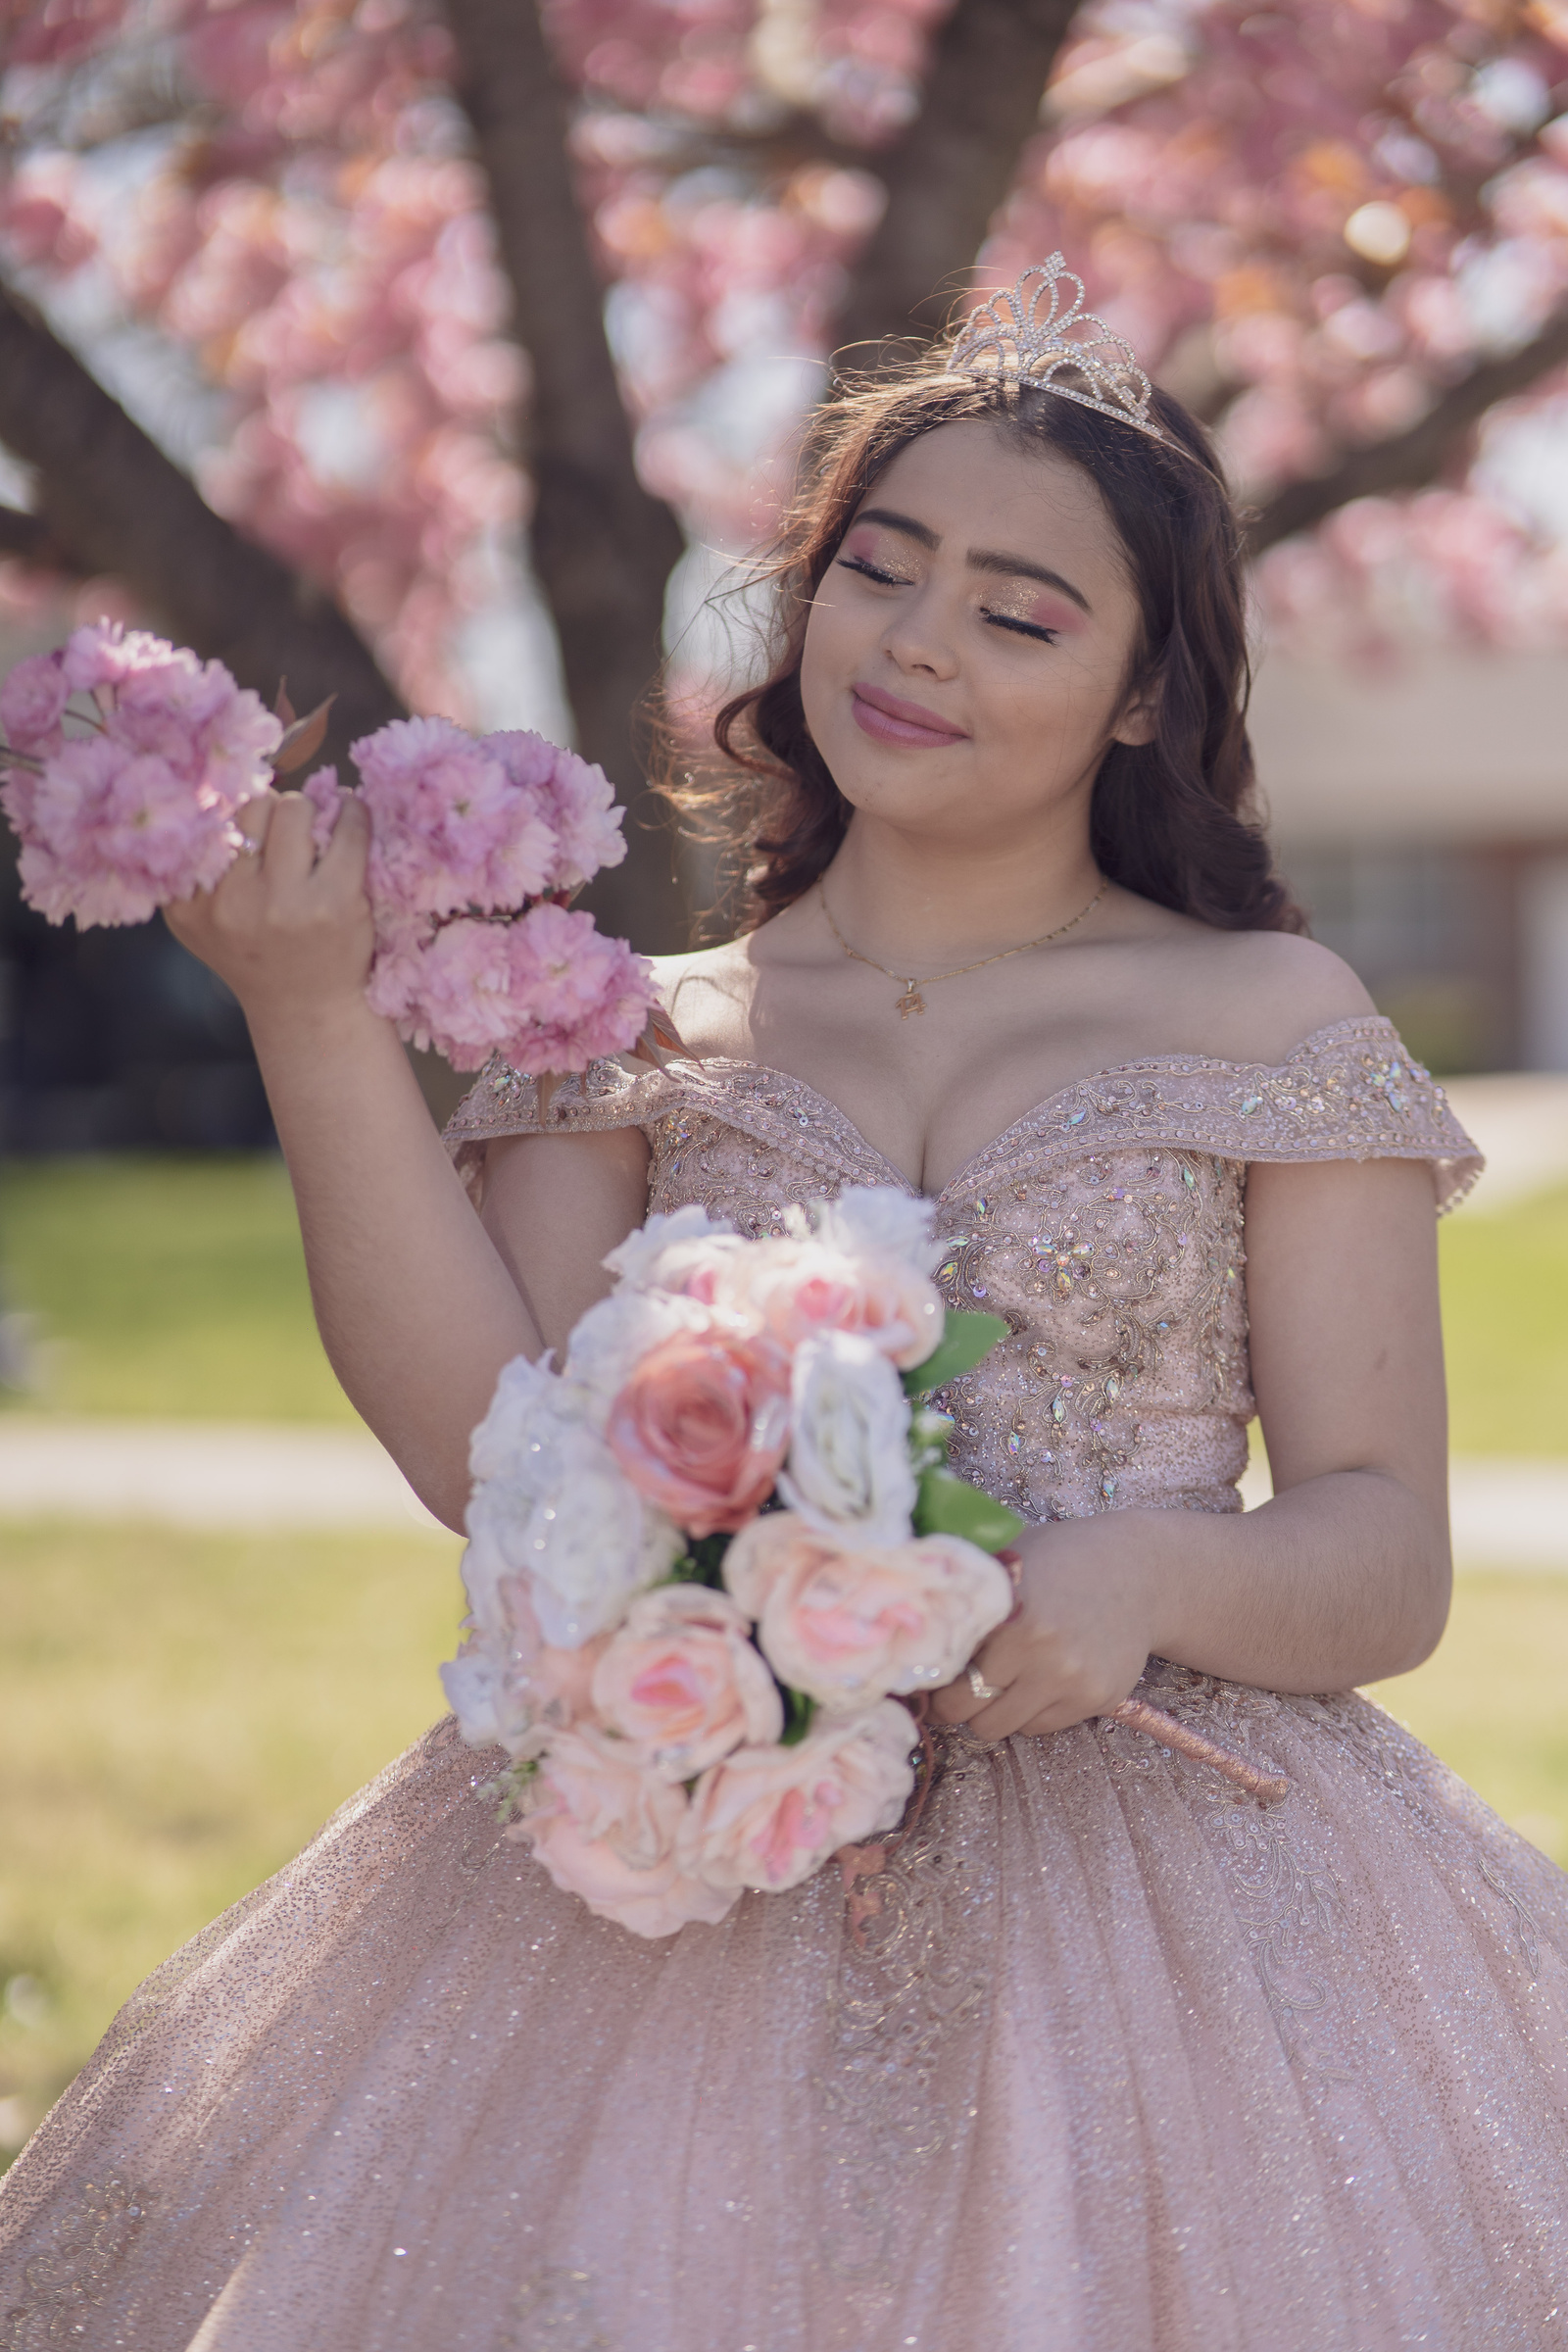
(911, 1000)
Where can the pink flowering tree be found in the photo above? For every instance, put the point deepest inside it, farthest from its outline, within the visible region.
(456, 277)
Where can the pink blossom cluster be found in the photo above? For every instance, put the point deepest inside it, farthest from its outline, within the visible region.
(133, 802)
(697, 1591)
(466, 834)
(475, 844)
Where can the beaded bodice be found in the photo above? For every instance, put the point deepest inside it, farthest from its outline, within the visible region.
(1106, 1226)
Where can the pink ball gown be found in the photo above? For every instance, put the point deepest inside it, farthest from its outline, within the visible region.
(1106, 2059)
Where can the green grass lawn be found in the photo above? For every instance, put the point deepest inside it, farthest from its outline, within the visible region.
(178, 1713)
(167, 1286)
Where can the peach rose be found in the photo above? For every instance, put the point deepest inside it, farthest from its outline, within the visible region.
(607, 1829)
(800, 1288)
(702, 1426)
(682, 1677)
(847, 1625)
(767, 1817)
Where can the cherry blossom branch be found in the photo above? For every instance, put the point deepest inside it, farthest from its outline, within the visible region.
(1409, 460)
(603, 547)
(951, 167)
(110, 501)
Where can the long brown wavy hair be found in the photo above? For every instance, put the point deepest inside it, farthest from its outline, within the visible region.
(1174, 819)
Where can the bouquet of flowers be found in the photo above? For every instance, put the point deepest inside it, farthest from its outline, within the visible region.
(712, 1554)
(126, 761)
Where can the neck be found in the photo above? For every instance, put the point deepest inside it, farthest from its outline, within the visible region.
(912, 903)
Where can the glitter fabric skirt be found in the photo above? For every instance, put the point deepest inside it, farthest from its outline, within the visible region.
(1106, 2062)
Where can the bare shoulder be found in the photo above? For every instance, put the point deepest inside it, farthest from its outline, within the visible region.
(706, 995)
(1238, 996)
(1264, 992)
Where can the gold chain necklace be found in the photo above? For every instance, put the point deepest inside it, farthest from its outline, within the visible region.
(912, 999)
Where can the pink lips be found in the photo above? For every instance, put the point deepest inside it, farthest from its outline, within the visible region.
(887, 720)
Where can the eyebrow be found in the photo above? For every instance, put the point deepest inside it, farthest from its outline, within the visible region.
(981, 558)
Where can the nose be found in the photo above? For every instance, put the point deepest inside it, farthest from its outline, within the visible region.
(919, 636)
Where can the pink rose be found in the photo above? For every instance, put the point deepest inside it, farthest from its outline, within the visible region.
(847, 1625)
(683, 1679)
(801, 1289)
(768, 1817)
(609, 1830)
(702, 1426)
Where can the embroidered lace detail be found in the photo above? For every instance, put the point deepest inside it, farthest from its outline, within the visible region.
(1105, 1227)
(68, 2278)
(1347, 1092)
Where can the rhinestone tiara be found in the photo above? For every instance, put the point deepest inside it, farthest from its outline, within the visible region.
(1010, 341)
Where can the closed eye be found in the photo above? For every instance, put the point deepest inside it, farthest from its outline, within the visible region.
(884, 579)
(1021, 628)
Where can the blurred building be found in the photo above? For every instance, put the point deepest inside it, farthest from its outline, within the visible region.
(1421, 815)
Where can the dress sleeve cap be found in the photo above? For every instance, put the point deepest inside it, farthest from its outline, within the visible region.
(503, 1102)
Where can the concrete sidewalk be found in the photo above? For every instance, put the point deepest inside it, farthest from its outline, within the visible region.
(212, 1474)
(252, 1475)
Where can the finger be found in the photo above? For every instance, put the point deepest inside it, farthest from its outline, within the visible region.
(345, 854)
(289, 852)
(253, 817)
(958, 1701)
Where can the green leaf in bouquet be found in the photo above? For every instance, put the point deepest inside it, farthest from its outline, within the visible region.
(949, 1505)
(967, 1339)
(929, 1432)
(702, 1563)
(797, 1712)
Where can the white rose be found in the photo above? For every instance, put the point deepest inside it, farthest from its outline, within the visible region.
(849, 1470)
(555, 1507)
(672, 1252)
(879, 1220)
(525, 1394)
(493, 1707)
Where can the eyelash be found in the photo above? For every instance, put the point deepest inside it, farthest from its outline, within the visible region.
(1000, 621)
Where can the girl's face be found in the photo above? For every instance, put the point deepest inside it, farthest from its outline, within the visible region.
(966, 652)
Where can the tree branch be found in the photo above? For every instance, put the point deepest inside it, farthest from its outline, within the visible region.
(110, 501)
(25, 536)
(952, 165)
(1409, 460)
(603, 549)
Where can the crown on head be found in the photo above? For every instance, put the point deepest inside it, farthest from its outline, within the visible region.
(1010, 341)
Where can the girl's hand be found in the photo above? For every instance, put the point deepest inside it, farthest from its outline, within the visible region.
(284, 928)
(1078, 1639)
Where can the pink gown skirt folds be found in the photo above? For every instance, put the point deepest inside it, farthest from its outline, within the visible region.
(1106, 2058)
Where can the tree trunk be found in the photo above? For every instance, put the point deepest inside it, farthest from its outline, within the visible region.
(109, 501)
(949, 169)
(1409, 460)
(603, 549)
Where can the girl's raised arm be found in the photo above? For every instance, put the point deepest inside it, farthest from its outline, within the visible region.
(420, 1303)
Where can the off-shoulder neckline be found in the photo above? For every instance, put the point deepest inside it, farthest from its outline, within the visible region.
(1188, 1065)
